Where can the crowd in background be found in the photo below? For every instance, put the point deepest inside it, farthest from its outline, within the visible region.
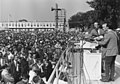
(29, 56)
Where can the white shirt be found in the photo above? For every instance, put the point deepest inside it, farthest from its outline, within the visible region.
(57, 45)
(2, 61)
(10, 56)
(4, 72)
(31, 74)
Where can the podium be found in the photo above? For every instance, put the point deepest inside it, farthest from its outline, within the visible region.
(92, 66)
(91, 61)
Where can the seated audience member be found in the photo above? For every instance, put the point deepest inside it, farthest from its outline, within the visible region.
(2, 60)
(6, 76)
(32, 73)
(37, 80)
(15, 69)
(40, 66)
(24, 66)
(24, 80)
(47, 69)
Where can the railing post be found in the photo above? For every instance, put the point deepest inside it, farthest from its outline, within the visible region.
(56, 69)
(57, 76)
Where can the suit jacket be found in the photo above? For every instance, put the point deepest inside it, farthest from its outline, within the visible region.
(110, 41)
(30, 61)
(48, 70)
(14, 71)
(95, 33)
(24, 66)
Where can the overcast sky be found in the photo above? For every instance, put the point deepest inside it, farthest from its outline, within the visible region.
(38, 10)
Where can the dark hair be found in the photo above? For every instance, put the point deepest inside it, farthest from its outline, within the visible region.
(1, 55)
(25, 76)
(36, 79)
(109, 25)
(5, 66)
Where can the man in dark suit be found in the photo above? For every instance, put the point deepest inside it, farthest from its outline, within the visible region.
(47, 69)
(15, 69)
(24, 67)
(96, 31)
(110, 50)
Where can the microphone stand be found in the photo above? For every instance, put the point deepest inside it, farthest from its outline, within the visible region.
(81, 60)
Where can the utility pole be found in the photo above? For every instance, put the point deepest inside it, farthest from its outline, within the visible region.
(64, 20)
(56, 15)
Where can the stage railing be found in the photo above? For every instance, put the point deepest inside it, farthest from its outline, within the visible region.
(56, 73)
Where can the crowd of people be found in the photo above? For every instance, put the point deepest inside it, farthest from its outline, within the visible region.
(26, 57)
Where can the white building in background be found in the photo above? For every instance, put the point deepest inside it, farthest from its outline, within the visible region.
(30, 26)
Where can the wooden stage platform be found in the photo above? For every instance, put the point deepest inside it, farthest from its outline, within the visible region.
(117, 79)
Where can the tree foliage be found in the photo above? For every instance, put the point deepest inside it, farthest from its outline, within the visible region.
(104, 11)
(74, 20)
(107, 10)
(82, 19)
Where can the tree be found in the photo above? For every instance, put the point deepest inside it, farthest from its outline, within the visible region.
(74, 20)
(82, 19)
(107, 10)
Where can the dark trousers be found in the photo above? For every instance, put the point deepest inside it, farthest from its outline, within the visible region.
(103, 65)
(109, 67)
